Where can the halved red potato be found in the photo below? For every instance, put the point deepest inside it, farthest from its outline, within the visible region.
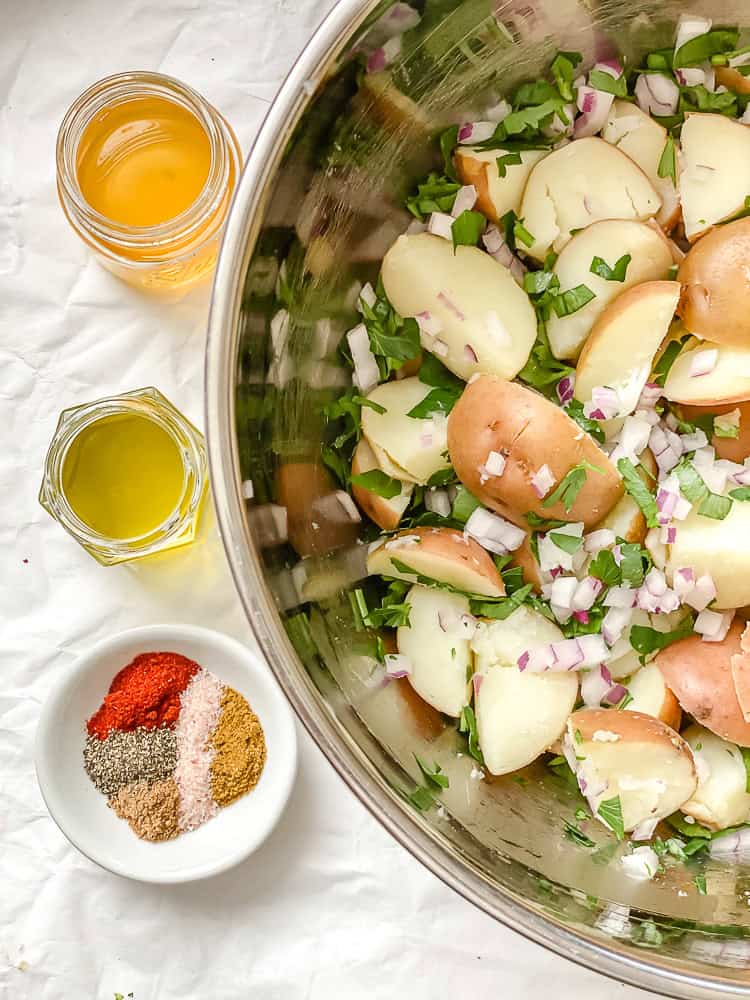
(496, 195)
(519, 714)
(718, 548)
(632, 756)
(727, 382)
(525, 558)
(700, 675)
(386, 513)
(651, 696)
(732, 79)
(626, 517)
(437, 643)
(416, 445)
(610, 239)
(487, 323)
(505, 417)
(625, 662)
(714, 175)
(624, 341)
(740, 665)
(715, 299)
(734, 449)
(583, 182)
(428, 722)
(642, 139)
(721, 799)
(316, 521)
(442, 554)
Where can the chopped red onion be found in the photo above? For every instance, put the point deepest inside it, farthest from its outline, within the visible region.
(350, 508)
(565, 389)
(437, 501)
(537, 660)
(466, 198)
(594, 106)
(611, 66)
(703, 362)
(562, 122)
(366, 295)
(694, 441)
(594, 687)
(656, 94)
(582, 617)
(702, 593)
(668, 534)
(655, 582)
(441, 224)
(561, 591)
(614, 623)
(690, 26)
(397, 665)
(615, 694)
(712, 625)
(476, 132)
(742, 478)
(495, 463)
(600, 539)
(494, 532)
(376, 60)
(476, 681)
(644, 830)
(542, 481)
(586, 593)
(366, 371)
(568, 654)
(552, 559)
(492, 239)
(604, 401)
(642, 864)
(650, 396)
(594, 649)
(734, 846)
(682, 509)
(620, 597)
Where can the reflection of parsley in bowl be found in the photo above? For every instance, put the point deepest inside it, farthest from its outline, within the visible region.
(514, 424)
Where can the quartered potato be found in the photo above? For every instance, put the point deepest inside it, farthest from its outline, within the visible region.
(714, 175)
(642, 139)
(719, 548)
(496, 195)
(626, 517)
(493, 415)
(733, 449)
(633, 757)
(716, 284)
(583, 182)
(727, 382)
(386, 513)
(700, 675)
(442, 554)
(611, 239)
(316, 521)
(519, 714)
(624, 340)
(436, 643)
(651, 696)
(487, 322)
(414, 444)
(525, 558)
(720, 799)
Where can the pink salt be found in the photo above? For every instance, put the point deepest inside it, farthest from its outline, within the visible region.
(199, 714)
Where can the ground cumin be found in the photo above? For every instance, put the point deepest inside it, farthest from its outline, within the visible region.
(151, 808)
(240, 749)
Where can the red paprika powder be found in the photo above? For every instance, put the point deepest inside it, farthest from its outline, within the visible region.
(145, 693)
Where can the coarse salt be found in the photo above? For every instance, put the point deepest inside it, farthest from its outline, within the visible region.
(199, 715)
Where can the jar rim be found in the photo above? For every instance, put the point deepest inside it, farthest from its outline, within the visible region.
(115, 89)
(152, 405)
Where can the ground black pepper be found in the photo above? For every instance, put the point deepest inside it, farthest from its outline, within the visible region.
(124, 757)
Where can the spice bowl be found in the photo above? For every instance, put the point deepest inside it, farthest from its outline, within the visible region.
(83, 813)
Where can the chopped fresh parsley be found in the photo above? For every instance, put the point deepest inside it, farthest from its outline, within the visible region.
(393, 611)
(433, 372)
(467, 724)
(568, 543)
(436, 401)
(699, 881)
(646, 640)
(574, 409)
(377, 482)
(433, 775)
(435, 194)
(610, 812)
(542, 370)
(422, 798)
(569, 302)
(617, 273)
(576, 835)
(570, 486)
(507, 160)
(563, 72)
(500, 609)
(464, 505)
(448, 143)
(467, 228)
(343, 418)
(604, 568)
(694, 489)
(703, 47)
(521, 234)
(668, 161)
(667, 359)
(393, 340)
(635, 562)
(742, 493)
(601, 80)
(639, 491)
(298, 629)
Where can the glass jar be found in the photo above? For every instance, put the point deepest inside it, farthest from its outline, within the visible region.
(178, 527)
(171, 254)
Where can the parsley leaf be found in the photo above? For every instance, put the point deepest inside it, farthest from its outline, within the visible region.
(667, 359)
(507, 160)
(604, 568)
(576, 835)
(567, 303)
(464, 505)
(668, 161)
(563, 71)
(645, 640)
(433, 775)
(436, 401)
(393, 611)
(435, 194)
(570, 486)
(742, 493)
(568, 543)
(542, 370)
(521, 234)
(448, 143)
(699, 881)
(501, 609)
(703, 47)
(639, 491)
(467, 228)
(617, 273)
(422, 798)
(433, 372)
(610, 812)
(635, 562)
(694, 489)
(601, 80)
(468, 724)
(377, 482)
(393, 340)
(574, 409)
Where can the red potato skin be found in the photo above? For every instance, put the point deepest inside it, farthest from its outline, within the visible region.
(441, 542)
(700, 676)
(298, 486)
(734, 449)
(741, 674)
(374, 506)
(525, 558)
(495, 415)
(732, 79)
(472, 171)
(636, 726)
(428, 721)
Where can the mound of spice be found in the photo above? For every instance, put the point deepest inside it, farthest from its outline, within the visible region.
(171, 744)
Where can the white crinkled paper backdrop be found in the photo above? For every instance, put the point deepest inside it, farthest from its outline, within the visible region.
(331, 907)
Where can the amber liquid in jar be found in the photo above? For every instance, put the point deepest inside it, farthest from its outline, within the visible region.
(143, 162)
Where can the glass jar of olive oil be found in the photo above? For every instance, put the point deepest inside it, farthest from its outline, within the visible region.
(126, 476)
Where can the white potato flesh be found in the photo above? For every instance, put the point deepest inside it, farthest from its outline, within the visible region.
(416, 445)
(714, 176)
(519, 715)
(464, 574)
(439, 652)
(610, 239)
(727, 382)
(487, 322)
(719, 548)
(642, 139)
(650, 773)
(626, 520)
(387, 512)
(504, 193)
(622, 346)
(581, 183)
(650, 694)
(627, 664)
(389, 467)
(720, 799)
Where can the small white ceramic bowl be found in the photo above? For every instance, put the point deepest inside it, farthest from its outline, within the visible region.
(82, 812)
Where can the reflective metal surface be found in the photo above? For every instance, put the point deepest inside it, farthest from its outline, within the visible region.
(320, 201)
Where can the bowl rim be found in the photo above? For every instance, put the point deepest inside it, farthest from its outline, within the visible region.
(170, 634)
(611, 958)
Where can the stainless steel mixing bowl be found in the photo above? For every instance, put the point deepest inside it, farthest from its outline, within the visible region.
(320, 201)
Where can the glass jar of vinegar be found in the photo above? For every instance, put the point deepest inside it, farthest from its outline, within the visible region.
(146, 170)
(126, 476)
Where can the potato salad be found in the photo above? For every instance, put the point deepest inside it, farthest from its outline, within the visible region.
(548, 432)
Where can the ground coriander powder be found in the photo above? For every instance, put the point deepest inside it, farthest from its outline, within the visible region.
(240, 749)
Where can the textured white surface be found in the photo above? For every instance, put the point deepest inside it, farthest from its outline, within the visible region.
(331, 907)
